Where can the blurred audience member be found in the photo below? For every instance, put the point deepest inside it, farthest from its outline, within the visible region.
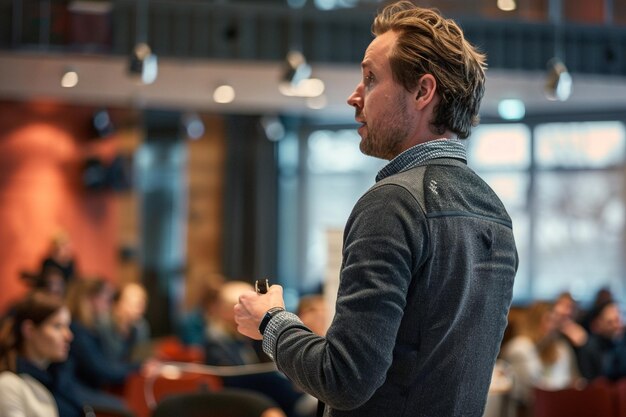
(565, 313)
(89, 301)
(538, 356)
(35, 338)
(603, 354)
(225, 346)
(125, 331)
(192, 324)
(50, 279)
(313, 311)
(603, 296)
(61, 257)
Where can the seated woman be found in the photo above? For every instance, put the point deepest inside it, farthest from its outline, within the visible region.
(89, 301)
(33, 344)
(538, 356)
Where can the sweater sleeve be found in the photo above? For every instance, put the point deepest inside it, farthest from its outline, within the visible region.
(22, 398)
(383, 241)
(11, 397)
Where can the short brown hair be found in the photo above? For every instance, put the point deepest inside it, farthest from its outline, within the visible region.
(431, 44)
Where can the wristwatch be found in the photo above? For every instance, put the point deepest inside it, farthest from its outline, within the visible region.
(268, 316)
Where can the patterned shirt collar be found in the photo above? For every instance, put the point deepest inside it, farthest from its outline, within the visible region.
(418, 154)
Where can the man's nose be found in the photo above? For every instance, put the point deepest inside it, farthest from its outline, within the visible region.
(355, 99)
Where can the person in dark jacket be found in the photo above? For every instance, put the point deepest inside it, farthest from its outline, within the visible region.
(604, 354)
(89, 300)
(37, 379)
(224, 346)
(429, 256)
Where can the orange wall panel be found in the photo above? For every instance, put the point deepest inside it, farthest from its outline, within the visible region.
(42, 148)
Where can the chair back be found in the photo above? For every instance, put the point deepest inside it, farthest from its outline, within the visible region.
(143, 394)
(620, 388)
(172, 349)
(228, 402)
(595, 400)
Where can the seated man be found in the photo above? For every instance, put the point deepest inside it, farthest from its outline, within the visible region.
(125, 331)
(224, 346)
(603, 354)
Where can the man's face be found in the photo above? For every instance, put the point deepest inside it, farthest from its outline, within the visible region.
(609, 323)
(382, 105)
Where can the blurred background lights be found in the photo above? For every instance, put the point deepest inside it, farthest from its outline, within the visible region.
(310, 87)
(273, 127)
(69, 79)
(558, 84)
(507, 5)
(194, 127)
(224, 94)
(511, 109)
(317, 103)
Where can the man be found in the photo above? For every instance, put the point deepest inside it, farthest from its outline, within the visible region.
(604, 354)
(428, 257)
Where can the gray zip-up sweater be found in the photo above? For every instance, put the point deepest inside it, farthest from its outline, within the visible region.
(426, 283)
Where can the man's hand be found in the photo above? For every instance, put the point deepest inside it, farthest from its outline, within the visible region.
(252, 308)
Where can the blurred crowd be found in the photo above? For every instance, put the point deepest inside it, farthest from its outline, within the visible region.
(69, 346)
(555, 345)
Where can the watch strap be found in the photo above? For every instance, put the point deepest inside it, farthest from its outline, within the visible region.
(268, 316)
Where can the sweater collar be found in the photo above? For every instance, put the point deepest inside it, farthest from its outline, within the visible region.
(418, 154)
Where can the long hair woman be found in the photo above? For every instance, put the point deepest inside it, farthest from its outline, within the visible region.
(538, 356)
(34, 340)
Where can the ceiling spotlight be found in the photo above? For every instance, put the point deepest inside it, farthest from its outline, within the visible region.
(143, 63)
(558, 82)
(69, 78)
(507, 5)
(310, 87)
(224, 94)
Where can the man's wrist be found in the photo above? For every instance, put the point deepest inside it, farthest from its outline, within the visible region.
(268, 316)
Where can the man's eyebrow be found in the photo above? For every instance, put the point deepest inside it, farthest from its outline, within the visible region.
(366, 64)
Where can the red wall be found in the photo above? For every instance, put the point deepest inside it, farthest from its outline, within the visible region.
(42, 146)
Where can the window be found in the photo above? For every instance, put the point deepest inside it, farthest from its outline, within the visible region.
(337, 175)
(562, 183)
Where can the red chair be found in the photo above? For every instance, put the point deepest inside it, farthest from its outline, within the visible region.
(142, 394)
(620, 388)
(597, 399)
(173, 350)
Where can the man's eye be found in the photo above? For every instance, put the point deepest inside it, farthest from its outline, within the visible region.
(369, 79)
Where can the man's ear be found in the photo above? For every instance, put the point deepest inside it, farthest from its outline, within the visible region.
(425, 91)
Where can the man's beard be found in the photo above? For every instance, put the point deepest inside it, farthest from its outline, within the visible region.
(384, 139)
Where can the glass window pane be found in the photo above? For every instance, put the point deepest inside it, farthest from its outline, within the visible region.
(338, 151)
(499, 146)
(579, 233)
(337, 175)
(578, 145)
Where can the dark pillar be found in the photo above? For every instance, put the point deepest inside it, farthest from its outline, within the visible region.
(161, 164)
